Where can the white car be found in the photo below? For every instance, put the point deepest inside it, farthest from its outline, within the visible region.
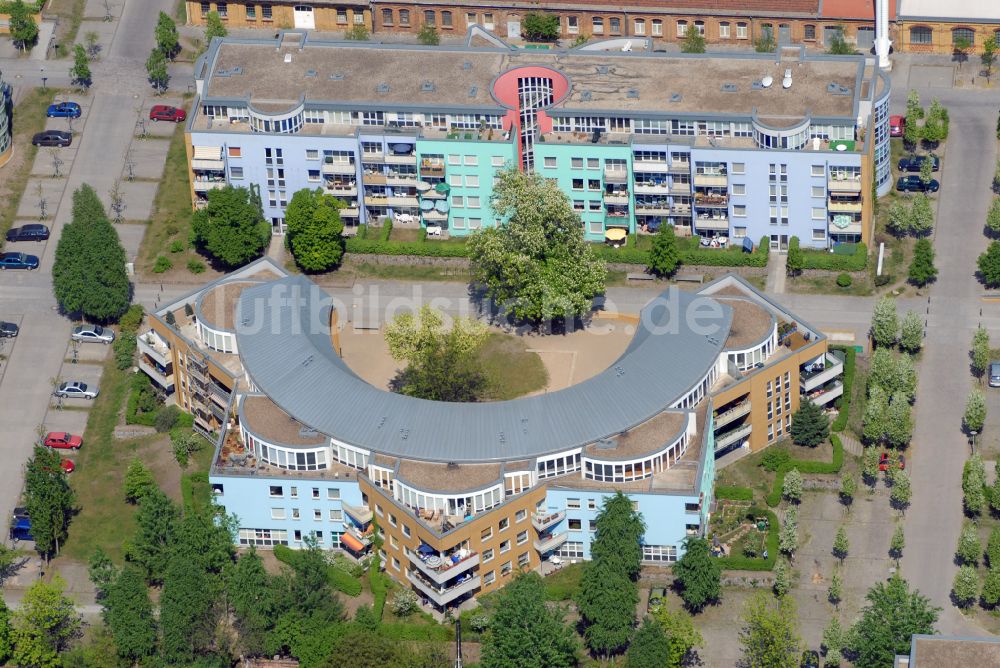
(75, 389)
(93, 334)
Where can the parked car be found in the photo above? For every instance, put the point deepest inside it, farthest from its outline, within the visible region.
(52, 138)
(64, 110)
(63, 440)
(67, 465)
(913, 183)
(897, 125)
(20, 512)
(163, 112)
(32, 232)
(18, 261)
(994, 374)
(93, 334)
(20, 529)
(914, 162)
(810, 659)
(883, 462)
(74, 389)
(8, 330)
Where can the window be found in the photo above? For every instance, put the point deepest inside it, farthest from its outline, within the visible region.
(223, 10)
(520, 515)
(265, 12)
(657, 28)
(251, 11)
(575, 525)
(572, 503)
(591, 504)
(659, 553)
(522, 538)
(739, 211)
(682, 27)
(336, 515)
(295, 514)
(395, 563)
(472, 202)
(497, 161)
(639, 26)
(920, 35)
(488, 555)
(523, 560)
(236, 172)
(315, 492)
(486, 534)
(490, 578)
(593, 184)
(455, 180)
(263, 537)
(739, 189)
(454, 160)
(578, 205)
(488, 21)
(818, 191)
(572, 25)
(739, 232)
(342, 16)
(378, 510)
(966, 34)
(597, 25)
(392, 519)
(359, 18)
(318, 515)
(809, 32)
(471, 181)
(470, 19)
(550, 162)
(475, 223)
(741, 30)
(817, 170)
(406, 531)
(819, 234)
(429, 17)
(277, 513)
(505, 569)
(297, 536)
(404, 17)
(504, 524)
(276, 491)
(724, 29)
(739, 168)
(235, 152)
(505, 546)
(700, 25)
(206, 7)
(446, 19)
(387, 17)
(595, 205)
(457, 200)
(593, 163)
(333, 493)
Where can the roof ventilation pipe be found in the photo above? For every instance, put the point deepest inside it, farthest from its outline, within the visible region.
(882, 43)
(767, 81)
(786, 82)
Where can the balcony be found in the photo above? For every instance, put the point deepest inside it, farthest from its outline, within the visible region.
(711, 200)
(827, 393)
(349, 212)
(370, 179)
(339, 168)
(342, 190)
(853, 227)
(835, 185)
(402, 200)
(649, 188)
(822, 372)
(440, 596)
(650, 166)
(547, 543)
(615, 175)
(163, 379)
(361, 514)
(620, 198)
(447, 570)
(364, 537)
(404, 159)
(219, 395)
(679, 167)
(680, 210)
(376, 157)
(712, 223)
(400, 180)
(680, 188)
(150, 344)
(840, 206)
(731, 437)
(653, 210)
(542, 521)
(733, 413)
(209, 184)
(434, 216)
(712, 180)
(431, 168)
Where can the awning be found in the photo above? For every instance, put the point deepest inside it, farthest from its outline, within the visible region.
(208, 164)
(616, 234)
(425, 549)
(352, 543)
(208, 153)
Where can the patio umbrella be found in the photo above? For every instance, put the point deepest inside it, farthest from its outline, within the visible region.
(426, 205)
(423, 186)
(425, 549)
(402, 149)
(442, 188)
(615, 234)
(442, 206)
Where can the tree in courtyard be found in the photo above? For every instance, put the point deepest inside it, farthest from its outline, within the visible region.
(902, 490)
(835, 591)
(682, 636)
(841, 546)
(926, 174)
(961, 46)
(101, 571)
(993, 217)
(975, 411)
(22, 26)
(921, 214)
(991, 588)
(128, 612)
(524, 631)
(892, 615)
(540, 27)
(900, 217)
(428, 35)
(791, 487)
(980, 351)
(608, 588)
(782, 578)
(155, 532)
(875, 419)
(139, 481)
(922, 270)
(650, 647)
(409, 335)
(44, 625)
(166, 36)
(664, 256)
(698, 575)
(765, 41)
(214, 27)
(314, 230)
(838, 45)
(794, 260)
(833, 642)
(973, 482)
(848, 487)
(6, 641)
(969, 546)
(769, 637)
(250, 593)
(934, 130)
(444, 370)
(788, 536)
(914, 113)
(49, 500)
(231, 228)
(897, 543)
(156, 71)
(893, 373)
(993, 549)
(185, 608)
(89, 277)
(885, 322)
(536, 264)
(899, 422)
(988, 57)
(80, 72)
(810, 426)
(694, 41)
(869, 467)
(911, 336)
(965, 586)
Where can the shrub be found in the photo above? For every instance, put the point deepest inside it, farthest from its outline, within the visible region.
(386, 229)
(185, 444)
(139, 481)
(362, 232)
(844, 280)
(176, 246)
(166, 419)
(162, 264)
(882, 280)
(775, 459)
(836, 261)
(404, 603)
(143, 403)
(343, 581)
(132, 318)
(734, 493)
(124, 348)
(196, 266)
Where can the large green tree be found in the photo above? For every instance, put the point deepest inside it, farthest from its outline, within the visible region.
(540, 27)
(524, 632)
(769, 637)
(980, 352)
(410, 334)
(650, 648)
(156, 70)
(49, 500)
(810, 426)
(889, 619)
(6, 641)
(682, 636)
(250, 592)
(44, 625)
(128, 613)
(157, 528)
(166, 35)
(214, 27)
(694, 41)
(989, 265)
(315, 231)
(443, 372)
(698, 574)
(885, 322)
(664, 256)
(922, 270)
(231, 227)
(535, 264)
(911, 336)
(89, 277)
(23, 29)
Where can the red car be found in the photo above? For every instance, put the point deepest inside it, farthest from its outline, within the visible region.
(67, 465)
(63, 440)
(163, 112)
(896, 126)
(883, 462)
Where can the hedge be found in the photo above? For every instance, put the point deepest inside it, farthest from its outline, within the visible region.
(32, 7)
(380, 588)
(817, 259)
(834, 466)
(417, 632)
(850, 360)
(340, 580)
(373, 247)
(741, 563)
(734, 493)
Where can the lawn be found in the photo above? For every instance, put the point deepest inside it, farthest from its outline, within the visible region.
(29, 118)
(512, 370)
(564, 583)
(748, 472)
(404, 272)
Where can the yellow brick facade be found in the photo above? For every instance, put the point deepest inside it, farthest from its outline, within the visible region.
(327, 17)
(937, 37)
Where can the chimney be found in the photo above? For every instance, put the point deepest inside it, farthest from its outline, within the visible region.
(882, 42)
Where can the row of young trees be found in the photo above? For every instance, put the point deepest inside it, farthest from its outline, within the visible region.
(930, 126)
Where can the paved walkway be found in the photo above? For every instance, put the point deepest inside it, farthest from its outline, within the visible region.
(777, 269)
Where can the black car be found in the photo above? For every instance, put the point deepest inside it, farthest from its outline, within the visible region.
(914, 162)
(914, 184)
(52, 138)
(32, 232)
(8, 330)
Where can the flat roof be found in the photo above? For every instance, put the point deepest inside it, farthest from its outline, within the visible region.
(349, 74)
(936, 651)
(447, 477)
(971, 11)
(752, 323)
(648, 437)
(260, 416)
(216, 306)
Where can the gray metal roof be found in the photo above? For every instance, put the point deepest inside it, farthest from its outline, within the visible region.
(282, 330)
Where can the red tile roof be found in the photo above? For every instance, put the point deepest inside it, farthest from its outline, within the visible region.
(757, 8)
(853, 9)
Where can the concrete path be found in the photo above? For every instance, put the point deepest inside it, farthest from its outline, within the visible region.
(777, 269)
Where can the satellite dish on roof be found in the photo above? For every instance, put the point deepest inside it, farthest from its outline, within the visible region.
(767, 81)
(786, 82)
(628, 46)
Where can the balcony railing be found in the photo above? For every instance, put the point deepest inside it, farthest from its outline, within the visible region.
(541, 522)
(840, 206)
(374, 179)
(615, 175)
(650, 166)
(731, 437)
(712, 223)
(166, 381)
(395, 159)
(447, 570)
(548, 543)
(161, 354)
(733, 413)
(205, 184)
(342, 190)
(616, 198)
(361, 514)
(711, 180)
(826, 394)
(680, 167)
(811, 378)
(439, 595)
(400, 180)
(339, 168)
(844, 185)
(711, 200)
(646, 187)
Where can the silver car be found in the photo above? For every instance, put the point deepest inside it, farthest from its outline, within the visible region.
(93, 334)
(994, 374)
(75, 389)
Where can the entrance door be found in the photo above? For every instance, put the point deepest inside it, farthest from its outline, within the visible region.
(774, 242)
(866, 37)
(514, 28)
(784, 33)
(304, 17)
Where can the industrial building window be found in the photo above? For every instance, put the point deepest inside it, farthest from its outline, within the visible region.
(446, 19)
(263, 537)
(488, 21)
(571, 549)
(809, 32)
(265, 12)
(359, 18)
(741, 30)
(657, 28)
(597, 25)
(206, 7)
(920, 35)
(223, 10)
(572, 25)
(342, 16)
(430, 18)
(700, 25)
(639, 26)
(659, 553)
(387, 17)
(404, 17)
(251, 11)
(724, 29)
(966, 34)
(682, 27)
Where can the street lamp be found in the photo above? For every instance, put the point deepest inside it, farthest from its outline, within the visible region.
(44, 78)
(973, 432)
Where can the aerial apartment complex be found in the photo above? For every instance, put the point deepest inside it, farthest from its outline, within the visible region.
(736, 146)
(463, 495)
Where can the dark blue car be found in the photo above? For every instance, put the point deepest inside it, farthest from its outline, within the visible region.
(64, 110)
(18, 261)
(20, 529)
